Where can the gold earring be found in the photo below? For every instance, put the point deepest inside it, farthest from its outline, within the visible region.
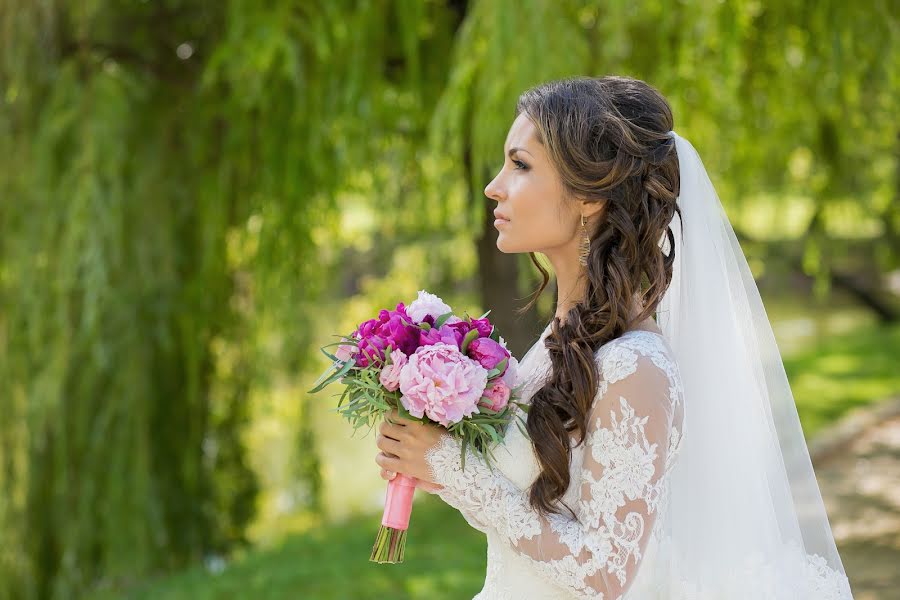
(585, 245)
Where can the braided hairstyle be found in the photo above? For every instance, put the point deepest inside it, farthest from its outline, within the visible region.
(608, 139)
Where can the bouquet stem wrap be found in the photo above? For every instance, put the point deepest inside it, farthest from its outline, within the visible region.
(390, 542)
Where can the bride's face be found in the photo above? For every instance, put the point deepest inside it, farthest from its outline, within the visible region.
(530, 196)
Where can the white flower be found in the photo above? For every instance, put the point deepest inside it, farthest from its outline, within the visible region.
(427, 304)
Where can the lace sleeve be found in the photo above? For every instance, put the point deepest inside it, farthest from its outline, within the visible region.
(622, 478)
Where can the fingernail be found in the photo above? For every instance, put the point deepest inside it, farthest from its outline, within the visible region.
(391, 474)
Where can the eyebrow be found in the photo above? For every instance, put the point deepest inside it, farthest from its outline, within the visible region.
(512, 151)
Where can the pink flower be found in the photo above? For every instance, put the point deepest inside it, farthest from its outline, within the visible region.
(346, 352)
(441, 382)
(390, 374)
(488, 353)
(497, 394)
(447, 334)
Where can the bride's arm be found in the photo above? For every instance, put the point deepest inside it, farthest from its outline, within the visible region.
(624, 458)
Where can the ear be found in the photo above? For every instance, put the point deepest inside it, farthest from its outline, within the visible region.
(591, 208)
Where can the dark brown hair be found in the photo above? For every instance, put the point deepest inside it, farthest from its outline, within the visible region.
(608, 139)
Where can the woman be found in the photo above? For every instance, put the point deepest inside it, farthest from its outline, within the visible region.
(663, 459)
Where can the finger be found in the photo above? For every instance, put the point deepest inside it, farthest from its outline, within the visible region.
(392, 430)
(385, 474)
(389, 445)
(390, 463)
(393, 417)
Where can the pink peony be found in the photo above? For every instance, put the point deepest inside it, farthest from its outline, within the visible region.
(488, 353)
(346, 352)
(497, 394)
(390, 374)
(447, 334)
(426, 304)
(442, 383)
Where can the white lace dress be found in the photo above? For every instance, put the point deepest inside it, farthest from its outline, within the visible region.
(617, 488)
(619, 482)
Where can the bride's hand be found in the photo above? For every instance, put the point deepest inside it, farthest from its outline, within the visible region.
(403, 445)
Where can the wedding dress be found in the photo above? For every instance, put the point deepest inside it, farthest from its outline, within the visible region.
(618, 490)
(693, 481)
(617, 486)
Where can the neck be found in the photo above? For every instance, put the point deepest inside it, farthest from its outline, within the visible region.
(571, 287)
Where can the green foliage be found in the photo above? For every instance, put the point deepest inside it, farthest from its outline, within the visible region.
(166, 165)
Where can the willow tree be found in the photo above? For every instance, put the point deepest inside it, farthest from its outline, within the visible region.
(789, 97)
(164, 166)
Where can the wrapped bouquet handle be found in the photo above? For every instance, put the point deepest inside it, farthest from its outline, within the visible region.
(390, 542)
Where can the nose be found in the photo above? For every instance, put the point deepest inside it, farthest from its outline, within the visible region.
(493, 189)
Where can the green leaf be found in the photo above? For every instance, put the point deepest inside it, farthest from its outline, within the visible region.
(337, 375)
(473, 333)
(501, 365)
(442, 319)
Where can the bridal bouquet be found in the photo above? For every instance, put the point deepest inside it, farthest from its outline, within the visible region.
(433, 367)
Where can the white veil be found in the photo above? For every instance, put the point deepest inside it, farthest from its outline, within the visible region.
(747, 519)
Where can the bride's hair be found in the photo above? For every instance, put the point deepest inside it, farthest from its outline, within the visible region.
(608, 139)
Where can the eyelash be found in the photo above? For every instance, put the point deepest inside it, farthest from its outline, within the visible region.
(519, 164)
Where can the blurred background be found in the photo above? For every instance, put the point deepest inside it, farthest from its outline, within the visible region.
(196, 196)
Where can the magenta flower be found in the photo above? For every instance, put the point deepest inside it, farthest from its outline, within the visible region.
(392, 328)
(442, 383)
(462, 327)
(497, 394)
(483, 326)
(390, 374)
(446, 334)
(488, 353)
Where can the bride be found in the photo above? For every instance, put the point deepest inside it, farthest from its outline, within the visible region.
(662, 456)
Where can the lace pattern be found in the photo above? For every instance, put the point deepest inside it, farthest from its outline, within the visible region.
(621, 479)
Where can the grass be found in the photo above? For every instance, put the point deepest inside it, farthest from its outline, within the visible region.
(844, 372)
(446, 557)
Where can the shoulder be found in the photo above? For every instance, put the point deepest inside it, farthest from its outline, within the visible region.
(643, 357)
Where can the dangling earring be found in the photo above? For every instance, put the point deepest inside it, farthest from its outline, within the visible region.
(585, 245)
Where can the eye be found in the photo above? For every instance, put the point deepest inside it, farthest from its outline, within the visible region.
(519, 164)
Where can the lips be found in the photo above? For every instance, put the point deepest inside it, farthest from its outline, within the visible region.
(500, 215)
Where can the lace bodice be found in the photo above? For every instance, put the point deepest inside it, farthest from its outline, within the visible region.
(617, 485)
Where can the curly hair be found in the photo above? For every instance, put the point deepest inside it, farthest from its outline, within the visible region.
(608, 139)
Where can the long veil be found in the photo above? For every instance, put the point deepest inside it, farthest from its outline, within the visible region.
(747, 518)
